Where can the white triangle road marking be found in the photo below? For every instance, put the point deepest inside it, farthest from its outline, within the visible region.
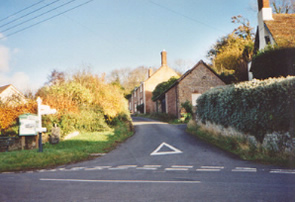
(157, 151)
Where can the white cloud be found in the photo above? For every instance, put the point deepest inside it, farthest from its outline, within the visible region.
(20, 80)
(2, 37)
(4, 58)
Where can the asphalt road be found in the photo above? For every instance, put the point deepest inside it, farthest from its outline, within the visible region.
(159, 163)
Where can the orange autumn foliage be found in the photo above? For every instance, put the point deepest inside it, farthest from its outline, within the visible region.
(10, 113)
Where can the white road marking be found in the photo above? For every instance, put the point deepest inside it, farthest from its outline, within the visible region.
(208, 170)
(181, 166)
(212, 167)
(244, 169)
(97, 154)
(152, 166)
(98, 168)
(121, 181)
(176, 169)
(146, 168)
(118, 168)
(282, 171)
(77, 168)
(157, 150)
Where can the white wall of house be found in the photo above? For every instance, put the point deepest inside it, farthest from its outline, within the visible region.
(264, 14)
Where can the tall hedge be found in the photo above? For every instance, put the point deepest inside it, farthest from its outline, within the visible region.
(274, 63)
(256, 107)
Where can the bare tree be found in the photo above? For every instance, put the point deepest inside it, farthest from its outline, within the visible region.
(129, 78)
(283, 6)
(56, 77)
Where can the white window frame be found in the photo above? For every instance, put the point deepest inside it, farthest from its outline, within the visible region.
(195, 96)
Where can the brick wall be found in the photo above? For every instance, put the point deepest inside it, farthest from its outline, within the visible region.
(200, 80)
(171, 101)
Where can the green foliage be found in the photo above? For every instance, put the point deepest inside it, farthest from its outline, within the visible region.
(84, 102)
(274, 62)
(230, 54)
(161, 87)
(255, 107)
(140, 108)
(187, 106)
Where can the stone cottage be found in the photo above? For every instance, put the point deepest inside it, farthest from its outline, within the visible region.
(188, 87)
(273, 29)
(142, 95)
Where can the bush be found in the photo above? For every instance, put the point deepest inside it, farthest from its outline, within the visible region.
(255, 107)
(187, 106)
(9, 116)
(274, 63)
(140, 108)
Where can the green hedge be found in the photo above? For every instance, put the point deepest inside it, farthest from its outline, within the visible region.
(274, 63)
(255, 107)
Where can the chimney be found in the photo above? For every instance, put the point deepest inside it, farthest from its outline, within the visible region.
(150, 72)
(264, 10)
(163, 58)
(263, 4)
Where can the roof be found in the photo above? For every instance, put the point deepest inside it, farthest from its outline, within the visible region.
(282, 29)
(186, 74)
(3, 88)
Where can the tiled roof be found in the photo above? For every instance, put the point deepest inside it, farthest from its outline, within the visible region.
(3, 88)
(282, 29)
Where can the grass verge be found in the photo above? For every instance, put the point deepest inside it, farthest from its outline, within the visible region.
(241, 147)
(73, 150)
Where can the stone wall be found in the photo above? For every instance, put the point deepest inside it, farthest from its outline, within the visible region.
(198, 81)
(171, 101)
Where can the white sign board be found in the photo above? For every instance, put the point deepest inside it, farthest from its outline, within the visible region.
(45, 109)
(28, 125)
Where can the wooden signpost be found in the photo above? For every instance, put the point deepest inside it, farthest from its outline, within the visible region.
(42, 110)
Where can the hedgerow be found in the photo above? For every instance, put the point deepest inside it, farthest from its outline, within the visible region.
(9, 114)
(274, 62)
(256, 107)
(84, 102)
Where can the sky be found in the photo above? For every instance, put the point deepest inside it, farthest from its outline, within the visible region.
(39, 36)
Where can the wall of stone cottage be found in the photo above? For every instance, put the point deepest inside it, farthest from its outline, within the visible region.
(171, 101)
(200, 80)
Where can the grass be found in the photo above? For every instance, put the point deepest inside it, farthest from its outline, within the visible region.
(73, 150)
(241, 147)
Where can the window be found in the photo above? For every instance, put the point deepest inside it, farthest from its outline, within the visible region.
(195, 96)
(267, 40)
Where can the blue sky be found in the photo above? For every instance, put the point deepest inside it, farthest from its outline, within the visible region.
(109, 34)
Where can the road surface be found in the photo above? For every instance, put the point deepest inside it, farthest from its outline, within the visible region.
(160, 162)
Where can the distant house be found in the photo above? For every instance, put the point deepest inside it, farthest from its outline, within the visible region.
(273, 29)
(142, 95)
(9, 94)
(188, 87)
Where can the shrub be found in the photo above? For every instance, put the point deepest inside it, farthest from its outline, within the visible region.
(140, 108)
(9, 116)
(255, 107)
(274, 63)
(187, 106)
